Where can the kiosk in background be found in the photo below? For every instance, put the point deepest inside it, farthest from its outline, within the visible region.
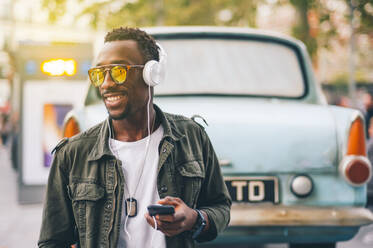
(51, 80)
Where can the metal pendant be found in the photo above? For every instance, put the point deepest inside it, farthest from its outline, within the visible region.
(131, 207)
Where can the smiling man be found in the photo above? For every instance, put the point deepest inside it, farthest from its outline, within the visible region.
(102, 180)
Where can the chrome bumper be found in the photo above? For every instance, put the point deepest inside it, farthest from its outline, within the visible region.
(277, 215)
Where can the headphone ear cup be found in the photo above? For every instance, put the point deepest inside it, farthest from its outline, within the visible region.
(147, 73)
(154, 72)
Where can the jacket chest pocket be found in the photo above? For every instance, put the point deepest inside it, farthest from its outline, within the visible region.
(87, 202)
(190, 177)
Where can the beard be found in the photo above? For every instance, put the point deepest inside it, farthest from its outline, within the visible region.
(121, 115)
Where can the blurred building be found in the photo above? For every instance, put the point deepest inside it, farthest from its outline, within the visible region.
(27, 20)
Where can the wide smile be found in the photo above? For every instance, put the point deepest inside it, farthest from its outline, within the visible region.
(113, 100)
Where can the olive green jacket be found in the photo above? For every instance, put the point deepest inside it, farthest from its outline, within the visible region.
(86, 185)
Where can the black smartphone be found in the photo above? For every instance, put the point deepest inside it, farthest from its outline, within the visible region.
(160, 209)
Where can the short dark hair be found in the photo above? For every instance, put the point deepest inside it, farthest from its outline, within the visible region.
(146, 43)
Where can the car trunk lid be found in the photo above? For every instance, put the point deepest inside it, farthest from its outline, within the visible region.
(255, 136)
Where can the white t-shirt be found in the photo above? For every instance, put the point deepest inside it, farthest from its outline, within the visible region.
(132, 156)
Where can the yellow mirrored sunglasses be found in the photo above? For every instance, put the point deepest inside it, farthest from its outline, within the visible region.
(118, 73)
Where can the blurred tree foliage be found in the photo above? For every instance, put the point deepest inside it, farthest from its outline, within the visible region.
(111, 14)
(306, 28)
(56, 9)
(363, 12)
(315, 25)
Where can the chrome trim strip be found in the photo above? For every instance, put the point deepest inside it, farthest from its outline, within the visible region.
(355, 115)
(275, 215)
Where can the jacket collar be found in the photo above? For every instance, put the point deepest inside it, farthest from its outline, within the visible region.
(102, 147)
(168, 124)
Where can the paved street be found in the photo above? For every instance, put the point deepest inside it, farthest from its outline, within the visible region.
(20, 224)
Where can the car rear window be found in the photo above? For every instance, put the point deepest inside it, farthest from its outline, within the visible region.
(231, 67)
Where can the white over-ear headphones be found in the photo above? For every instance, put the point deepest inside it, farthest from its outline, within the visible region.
(154, 71)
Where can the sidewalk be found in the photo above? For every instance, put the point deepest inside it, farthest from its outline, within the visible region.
(19, 224)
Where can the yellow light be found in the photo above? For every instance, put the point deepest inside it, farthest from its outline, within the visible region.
(59, 67)
(70, 67)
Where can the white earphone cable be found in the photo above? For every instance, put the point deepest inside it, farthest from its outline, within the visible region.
(147, 144)
(125, 223)
(154, 231)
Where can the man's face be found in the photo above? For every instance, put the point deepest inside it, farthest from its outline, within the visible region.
(123, 100)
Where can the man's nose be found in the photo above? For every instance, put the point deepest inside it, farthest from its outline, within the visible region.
(108, 81)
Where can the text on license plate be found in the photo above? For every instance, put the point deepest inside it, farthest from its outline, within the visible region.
(253, 189)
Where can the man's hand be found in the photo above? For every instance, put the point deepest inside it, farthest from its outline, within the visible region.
(182, 220)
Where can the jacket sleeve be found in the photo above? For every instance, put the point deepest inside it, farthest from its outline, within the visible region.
(214, 198)
(57, 228)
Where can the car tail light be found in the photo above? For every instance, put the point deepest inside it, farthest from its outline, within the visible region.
(356, 170)
(356, 138)
(355, 167)
(71, 128)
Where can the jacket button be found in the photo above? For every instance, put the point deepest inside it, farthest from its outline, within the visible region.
(164, 189)
(108, 206)
(164, 150)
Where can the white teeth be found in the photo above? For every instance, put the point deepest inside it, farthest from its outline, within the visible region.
(113, 98)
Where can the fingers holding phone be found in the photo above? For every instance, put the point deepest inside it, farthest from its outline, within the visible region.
(159, 213)
(168, 222)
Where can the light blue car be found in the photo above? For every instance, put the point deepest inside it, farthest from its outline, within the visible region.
(296, 168)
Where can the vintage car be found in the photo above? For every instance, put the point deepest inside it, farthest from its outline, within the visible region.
(296, 168)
